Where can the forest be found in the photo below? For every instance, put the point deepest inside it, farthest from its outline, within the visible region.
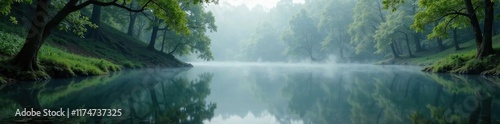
(43, 39)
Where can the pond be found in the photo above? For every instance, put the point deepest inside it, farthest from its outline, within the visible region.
(218, 93)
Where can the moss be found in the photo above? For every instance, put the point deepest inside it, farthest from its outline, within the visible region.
(466, 63)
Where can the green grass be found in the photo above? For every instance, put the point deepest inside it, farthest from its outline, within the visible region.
(428, 57)
(66, 55)
(451, 61)
(59, 61)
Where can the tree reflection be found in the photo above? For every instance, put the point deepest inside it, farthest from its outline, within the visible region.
(159, 96)
(392, 97)
(473, 100)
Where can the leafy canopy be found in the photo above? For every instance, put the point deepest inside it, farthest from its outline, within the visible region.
(169, 11)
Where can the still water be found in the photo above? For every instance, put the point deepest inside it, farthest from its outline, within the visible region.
(262, 93)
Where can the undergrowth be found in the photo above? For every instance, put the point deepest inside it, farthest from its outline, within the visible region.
(466, 63)
(54, 61)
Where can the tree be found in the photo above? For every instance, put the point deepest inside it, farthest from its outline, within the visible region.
(395, 28)
(155, 25)
(264, 44)
(95, 18)
(367, 16)
(457, 14)
(335, 20)
(301, 38)
(132, 19)
(199, 22)
(26, 59)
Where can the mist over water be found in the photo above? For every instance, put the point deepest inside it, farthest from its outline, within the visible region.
(266, 92)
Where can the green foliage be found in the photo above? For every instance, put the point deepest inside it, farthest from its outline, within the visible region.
(76, 23)
(199, 22)
(441, 11)
(391, 30)
(302, 37)
(451, 62)
(10, 44)
(264, 44)
(13, 20)
(418, 118)
(392, 4)
(466, 63)
(334, 22)
(60, 61)
(56, 61)
(171, 13)
(367, 16)
(438, 115)
(5, 5)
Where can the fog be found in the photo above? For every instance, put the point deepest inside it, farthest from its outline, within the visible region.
(253, 32)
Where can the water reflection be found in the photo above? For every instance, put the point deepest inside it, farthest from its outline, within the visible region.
(353, 94)
(145, 96)
(330, 94)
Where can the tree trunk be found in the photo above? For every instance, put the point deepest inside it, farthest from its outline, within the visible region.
(418, 46)
(486, 110)
(341, 53)
(482, 49)
(486, 48)
(94, 33)
(440, 44)
(397, 46)
(154, 34)
(394, 50)
(455, 40)
(408, 45)
(26, 59)
(163, 40)
(139, 31)
(131, 24)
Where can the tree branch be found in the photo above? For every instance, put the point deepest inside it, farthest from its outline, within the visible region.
(175, 48)
(456, 13)
(112, 3)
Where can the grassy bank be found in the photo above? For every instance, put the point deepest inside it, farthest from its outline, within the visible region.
(66, 55)
(452, 61)
(55, 62)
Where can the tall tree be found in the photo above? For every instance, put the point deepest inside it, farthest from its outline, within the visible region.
(95, 18)
(42, 26)
(264, 44)
(457, 13)
(368, 15)
(335, 20)
(200, 22)
(132, 19)
(302, 37)
(395, 28)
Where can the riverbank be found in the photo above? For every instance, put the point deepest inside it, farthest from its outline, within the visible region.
(450, 60)
(66, 55)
